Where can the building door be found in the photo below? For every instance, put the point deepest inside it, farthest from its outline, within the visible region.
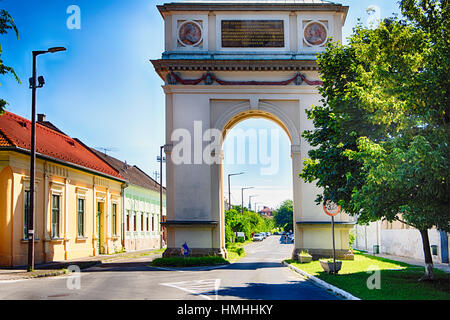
(100, 227)
(444, 247)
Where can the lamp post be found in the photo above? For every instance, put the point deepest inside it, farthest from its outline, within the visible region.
(33, 87)
(229, 189)
(250, 200)
(256, 205)
(242, 198)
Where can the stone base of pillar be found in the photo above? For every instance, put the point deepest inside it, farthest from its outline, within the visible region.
(195, 252)
(324, 253)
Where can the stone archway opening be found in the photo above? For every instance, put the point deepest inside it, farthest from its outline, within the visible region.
(256, 140)
(260, 144)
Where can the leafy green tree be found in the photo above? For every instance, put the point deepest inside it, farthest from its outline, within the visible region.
(382, 132)
(6, 24)
(283, 216)
(249, 222)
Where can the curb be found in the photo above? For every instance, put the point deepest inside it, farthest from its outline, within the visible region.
(60, 268)
(322, 283)
(49, 274)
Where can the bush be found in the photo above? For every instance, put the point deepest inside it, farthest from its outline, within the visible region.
(305, 254)
(351, 237)
(189, 261)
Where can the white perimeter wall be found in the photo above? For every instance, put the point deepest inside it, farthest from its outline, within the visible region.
(399, 242)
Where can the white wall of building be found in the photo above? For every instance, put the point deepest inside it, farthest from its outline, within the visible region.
(399, 242)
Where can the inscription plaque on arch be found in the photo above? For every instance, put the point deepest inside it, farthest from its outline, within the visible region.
(252, 33)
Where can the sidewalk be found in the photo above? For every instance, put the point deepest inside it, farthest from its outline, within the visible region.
(441, 266)
(60, 267)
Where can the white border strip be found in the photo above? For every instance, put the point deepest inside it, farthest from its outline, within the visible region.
(322, 283)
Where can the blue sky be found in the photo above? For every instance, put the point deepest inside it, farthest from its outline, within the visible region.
(103, 89)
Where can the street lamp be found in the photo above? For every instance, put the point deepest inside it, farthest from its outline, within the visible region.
(242, 198)
(229, 190)
(33, 86)
(256, 206)
(250, 200)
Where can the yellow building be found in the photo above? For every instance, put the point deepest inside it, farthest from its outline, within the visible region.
(77, 200)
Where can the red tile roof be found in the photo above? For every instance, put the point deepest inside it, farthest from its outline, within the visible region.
(15, 131)
(133, 174)
(266, 210)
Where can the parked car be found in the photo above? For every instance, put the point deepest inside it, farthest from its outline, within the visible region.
(276, 233)
(258, 237)
(268, 233)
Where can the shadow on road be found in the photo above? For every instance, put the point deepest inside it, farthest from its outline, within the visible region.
(254, 265)
(145, 266)
(293, 290)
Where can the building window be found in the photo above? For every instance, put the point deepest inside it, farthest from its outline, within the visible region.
(80, 217)
(55, 215)
(147, 219)
(128, 221)
(26, 213)
(134, 222)
(114, 219)
(142, 222)
(153, 223)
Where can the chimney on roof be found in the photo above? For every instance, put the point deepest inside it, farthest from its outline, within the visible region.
(41, 117)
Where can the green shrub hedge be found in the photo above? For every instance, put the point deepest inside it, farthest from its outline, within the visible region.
(188, 261)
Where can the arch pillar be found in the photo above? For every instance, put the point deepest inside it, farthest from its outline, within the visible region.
(297, 166)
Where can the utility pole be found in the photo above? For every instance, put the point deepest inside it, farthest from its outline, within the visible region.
(161, 159)
(229, 189)
(33, 86)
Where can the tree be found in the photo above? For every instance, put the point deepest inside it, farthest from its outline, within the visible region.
(382, 132)
(283, 216)
(6, 24)
(249, 222)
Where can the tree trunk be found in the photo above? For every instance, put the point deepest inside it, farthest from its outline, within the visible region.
(429, 274)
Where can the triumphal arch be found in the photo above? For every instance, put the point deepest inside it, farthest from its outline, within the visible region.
(224, 62)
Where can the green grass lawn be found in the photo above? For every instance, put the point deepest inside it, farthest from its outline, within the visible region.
(188, 261)
(398, 281)
(236, 250)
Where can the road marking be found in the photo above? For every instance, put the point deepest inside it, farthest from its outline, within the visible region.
(196, 286)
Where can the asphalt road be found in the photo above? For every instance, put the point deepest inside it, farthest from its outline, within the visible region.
(259, 275)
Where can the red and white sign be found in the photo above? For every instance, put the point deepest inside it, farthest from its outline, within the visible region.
(331, 208)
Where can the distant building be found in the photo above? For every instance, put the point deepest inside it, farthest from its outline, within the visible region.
(77, 199)
(141, 206)
(266, 211)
